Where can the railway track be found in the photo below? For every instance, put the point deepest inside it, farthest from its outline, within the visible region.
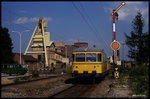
(74, 91)
(58, 87)
(80, 89)
(40, 88)
(29, 81)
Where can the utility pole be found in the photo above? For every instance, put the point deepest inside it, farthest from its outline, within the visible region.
(66, 51)
(66, 55)
(20, 40)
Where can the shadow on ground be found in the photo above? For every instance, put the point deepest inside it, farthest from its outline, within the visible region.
(84, 80)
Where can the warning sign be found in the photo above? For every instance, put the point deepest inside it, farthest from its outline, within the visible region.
(115, 45)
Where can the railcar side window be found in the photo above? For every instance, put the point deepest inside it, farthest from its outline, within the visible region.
(91, 57)
(73, 57)
(99, 58)
(80, 57)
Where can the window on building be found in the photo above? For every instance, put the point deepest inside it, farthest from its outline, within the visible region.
(57, 57)
(39, 57)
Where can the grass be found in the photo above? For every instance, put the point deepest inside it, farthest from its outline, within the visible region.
(35, 74)
(25, 78)
(57, 71)
(121, 77)
(139, 80)
(16, 80)
(64, 70)
(104, 95)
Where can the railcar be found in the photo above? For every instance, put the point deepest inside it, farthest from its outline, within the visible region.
(89, 61)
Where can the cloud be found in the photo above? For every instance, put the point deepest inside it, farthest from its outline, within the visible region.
(129, 10)
(23, 20)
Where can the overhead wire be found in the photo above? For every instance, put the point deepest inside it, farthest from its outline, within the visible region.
(94, 30)
(106, 43)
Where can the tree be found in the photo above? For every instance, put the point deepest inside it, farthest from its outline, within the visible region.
(138, 40)
(146, 47)
(6, 47)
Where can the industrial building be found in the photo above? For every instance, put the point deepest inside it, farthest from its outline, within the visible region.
(49, 53)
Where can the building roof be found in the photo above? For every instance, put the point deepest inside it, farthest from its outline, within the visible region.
(26, 57)
(56, 60)
(50, 43)
(87, 49)
(59, 44)
(81, 43)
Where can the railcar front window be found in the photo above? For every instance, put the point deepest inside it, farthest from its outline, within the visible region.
(91, 57)
(80, 57)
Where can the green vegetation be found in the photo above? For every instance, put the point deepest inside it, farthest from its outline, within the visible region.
(26, 78)
(139, 79)
(57, 71)
(138, 41)
(6, 46)
(13, 69)
(121, 77)
(16, 80)
(104, 95)
(35, 74)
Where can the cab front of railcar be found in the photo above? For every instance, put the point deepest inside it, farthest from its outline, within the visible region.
(87, 63)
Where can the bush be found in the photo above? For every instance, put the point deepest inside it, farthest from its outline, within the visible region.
(16, 80)
(58, 71)
(140, 80)
(25, 78)
(138, 71)
(35, 74)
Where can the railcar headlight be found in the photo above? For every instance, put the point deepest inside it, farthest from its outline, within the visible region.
(76, 66)
(94, 66)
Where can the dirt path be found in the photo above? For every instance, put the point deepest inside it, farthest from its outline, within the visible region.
(110, 88)
(120, 89)
(98, 90)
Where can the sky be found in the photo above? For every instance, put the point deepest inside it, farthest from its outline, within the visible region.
(70, 21)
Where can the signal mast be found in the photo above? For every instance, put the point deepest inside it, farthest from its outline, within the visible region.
(115, 45)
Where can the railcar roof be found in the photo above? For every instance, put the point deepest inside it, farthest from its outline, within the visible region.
(87, 49)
